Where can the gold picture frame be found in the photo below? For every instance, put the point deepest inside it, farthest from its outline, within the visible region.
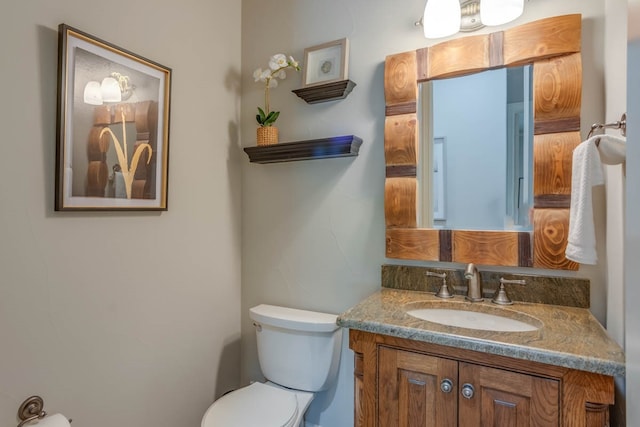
(326, 63)
(112, 126)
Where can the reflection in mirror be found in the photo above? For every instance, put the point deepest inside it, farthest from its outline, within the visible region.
(480, 128)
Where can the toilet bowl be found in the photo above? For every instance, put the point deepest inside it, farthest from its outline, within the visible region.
(299, 354)
(259, 405)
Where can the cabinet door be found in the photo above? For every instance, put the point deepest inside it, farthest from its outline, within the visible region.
(416, 390)
(495, 398)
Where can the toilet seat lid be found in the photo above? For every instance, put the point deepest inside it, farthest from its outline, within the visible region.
(257, 405)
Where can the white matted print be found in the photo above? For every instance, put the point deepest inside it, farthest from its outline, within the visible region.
(326, 63)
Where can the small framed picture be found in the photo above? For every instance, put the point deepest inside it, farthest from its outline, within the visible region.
(326, 63)
(113, 127)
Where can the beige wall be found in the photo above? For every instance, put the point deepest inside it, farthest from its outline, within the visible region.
(121, 319)
(313, 232)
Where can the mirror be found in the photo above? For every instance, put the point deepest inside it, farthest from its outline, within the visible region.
(477, 145)
(551, 47)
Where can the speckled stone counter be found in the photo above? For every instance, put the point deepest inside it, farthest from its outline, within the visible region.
(567, 336)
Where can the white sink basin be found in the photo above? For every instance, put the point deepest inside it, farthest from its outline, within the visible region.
(471, 320)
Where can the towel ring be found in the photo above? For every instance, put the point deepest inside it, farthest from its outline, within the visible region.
(620, 124)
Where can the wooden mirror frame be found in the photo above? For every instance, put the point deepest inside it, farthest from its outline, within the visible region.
(552, 46)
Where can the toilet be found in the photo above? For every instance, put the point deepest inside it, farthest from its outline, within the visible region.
(299, 354)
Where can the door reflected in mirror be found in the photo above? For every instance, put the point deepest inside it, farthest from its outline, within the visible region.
(480, 151)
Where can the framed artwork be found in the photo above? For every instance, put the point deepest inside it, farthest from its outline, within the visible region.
(112, 147)
(326, 63)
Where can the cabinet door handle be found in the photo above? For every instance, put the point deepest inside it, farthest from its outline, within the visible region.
(467, 391)
(446, 385)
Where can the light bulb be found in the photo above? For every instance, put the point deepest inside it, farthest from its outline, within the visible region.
(92, 93)
(110, 90)
(441, 18)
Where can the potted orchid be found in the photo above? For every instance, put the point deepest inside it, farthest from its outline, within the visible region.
(267, 133)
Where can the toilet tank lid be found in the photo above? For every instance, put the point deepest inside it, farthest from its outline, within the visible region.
(293, 318)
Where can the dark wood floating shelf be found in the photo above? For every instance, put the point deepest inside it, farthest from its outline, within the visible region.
(325, 92)
(337, 146)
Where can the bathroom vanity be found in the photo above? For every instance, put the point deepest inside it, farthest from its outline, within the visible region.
(410, 371)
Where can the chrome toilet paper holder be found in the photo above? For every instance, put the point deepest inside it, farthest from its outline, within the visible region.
(31, 409)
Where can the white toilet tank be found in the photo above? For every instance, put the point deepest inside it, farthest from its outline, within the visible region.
(297, 349)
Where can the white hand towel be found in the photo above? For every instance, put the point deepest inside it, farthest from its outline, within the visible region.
(586, 173)
(612, 149)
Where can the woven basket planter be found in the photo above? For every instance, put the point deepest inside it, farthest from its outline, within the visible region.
(267, 135)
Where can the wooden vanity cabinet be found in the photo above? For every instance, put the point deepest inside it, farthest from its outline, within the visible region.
(400, 382)
(409, 389)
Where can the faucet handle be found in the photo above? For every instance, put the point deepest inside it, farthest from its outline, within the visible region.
(443, 292)
(513, 281)
(501, 297)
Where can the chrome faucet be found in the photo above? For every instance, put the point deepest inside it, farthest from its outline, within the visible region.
(474, 283)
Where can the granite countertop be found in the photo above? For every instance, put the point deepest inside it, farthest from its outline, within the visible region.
(567, 336)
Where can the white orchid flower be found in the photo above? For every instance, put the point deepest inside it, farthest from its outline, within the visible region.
(277, 61)
(257, 74)
(266, 75)
(269, 76)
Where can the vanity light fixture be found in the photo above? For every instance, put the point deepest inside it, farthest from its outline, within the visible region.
(114, 88)
(444, 18)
